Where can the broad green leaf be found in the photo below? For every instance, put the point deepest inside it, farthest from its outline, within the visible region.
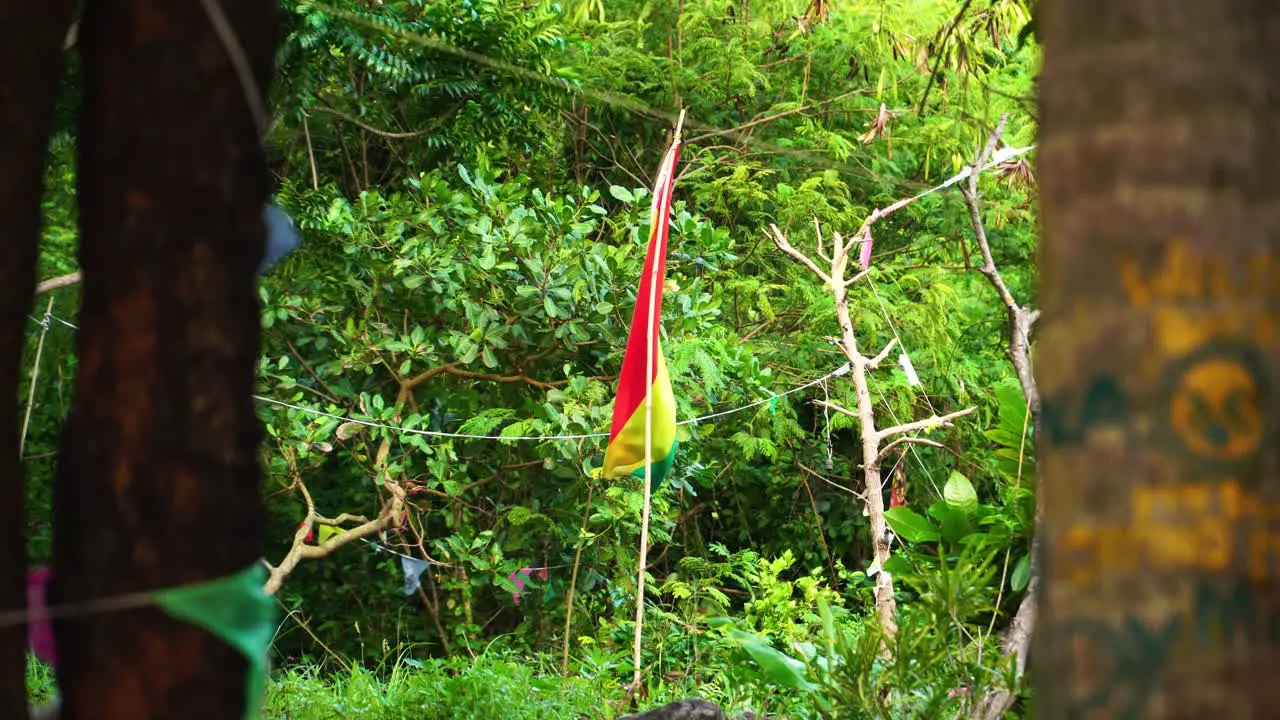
(912, 526)
(897, 565)
(622, 193)
(777, 666)
(828, 624)
(955, 522)
(1021, 574)
(959, 493)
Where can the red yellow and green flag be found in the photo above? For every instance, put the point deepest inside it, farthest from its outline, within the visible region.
(638, 425)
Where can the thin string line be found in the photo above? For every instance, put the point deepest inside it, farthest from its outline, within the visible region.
(236, 54)
(842, 370)
(910, 446)
(826, 425)
(114, 603)
(1004, 155)
(383, 548)
(147, 598)
(894, 328)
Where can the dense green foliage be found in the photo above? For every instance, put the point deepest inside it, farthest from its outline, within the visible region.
(468, 176)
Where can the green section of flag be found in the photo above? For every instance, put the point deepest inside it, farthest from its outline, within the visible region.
(237, 610)
(661, 466)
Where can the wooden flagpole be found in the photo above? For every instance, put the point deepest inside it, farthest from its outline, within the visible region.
(650, 358)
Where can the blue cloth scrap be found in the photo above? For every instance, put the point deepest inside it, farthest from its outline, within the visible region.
(413, 569)
(282, 236)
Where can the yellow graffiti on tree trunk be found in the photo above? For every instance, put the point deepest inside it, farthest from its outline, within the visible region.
(1211, 527)
(1193, 296)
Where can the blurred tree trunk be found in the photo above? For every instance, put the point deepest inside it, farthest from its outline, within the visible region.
(1158, 359)
(31, 36)
(158, 482)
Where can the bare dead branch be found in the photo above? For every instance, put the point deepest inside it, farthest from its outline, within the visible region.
(837, 282)
(56, 283)
(909, 439)
(926, 424)
(340, 520)
(1020, 319)
(780, 240)
(837, 408)
(300, 550)
(857, 277)
(1017, 639)
(875, 361)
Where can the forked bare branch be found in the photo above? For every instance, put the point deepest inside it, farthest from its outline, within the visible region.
(780, 240)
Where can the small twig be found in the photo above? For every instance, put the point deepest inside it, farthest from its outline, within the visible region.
(35, 375)
(573, 583)
(328, 393)
(311, 154)
(817, 231)
(822, 535)
(58, 282)
(837, 408)
(777, 116)
(830, 482)
(320, 642)
(392, 135)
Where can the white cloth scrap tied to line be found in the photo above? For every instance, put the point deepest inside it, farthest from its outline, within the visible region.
(905, 361)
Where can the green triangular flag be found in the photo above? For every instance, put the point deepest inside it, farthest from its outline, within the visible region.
(237, 610)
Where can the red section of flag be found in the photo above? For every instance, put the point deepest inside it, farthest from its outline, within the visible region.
(634, 381)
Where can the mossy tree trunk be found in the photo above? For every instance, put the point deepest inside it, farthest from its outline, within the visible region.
(1158, 359)
(31, 36)
(158, 481)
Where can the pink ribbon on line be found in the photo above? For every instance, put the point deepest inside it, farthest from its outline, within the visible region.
(39, 629)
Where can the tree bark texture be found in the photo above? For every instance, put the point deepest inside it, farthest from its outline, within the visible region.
(30, 67)
(1159, 359)
(158, 484)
